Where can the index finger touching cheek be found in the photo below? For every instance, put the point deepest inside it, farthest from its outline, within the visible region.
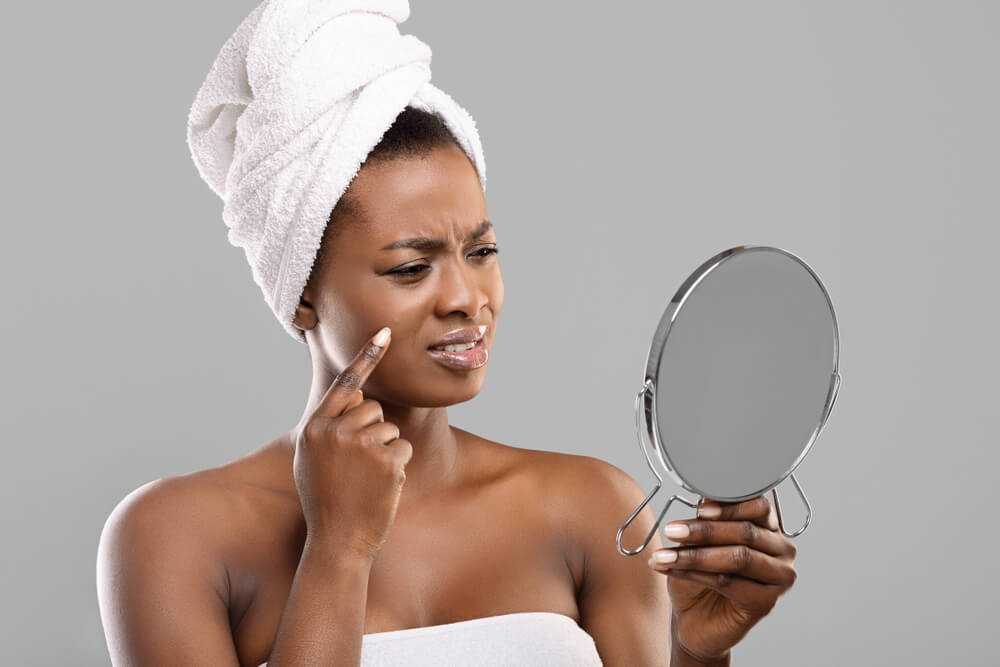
(347, 384)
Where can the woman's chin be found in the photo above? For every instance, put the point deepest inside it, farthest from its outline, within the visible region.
(442, 392)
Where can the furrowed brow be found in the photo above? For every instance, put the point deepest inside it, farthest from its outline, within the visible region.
(426, 243)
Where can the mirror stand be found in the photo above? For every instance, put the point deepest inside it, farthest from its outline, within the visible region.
(644, 436)
(805, 501)
(643, 401)
(835, 380)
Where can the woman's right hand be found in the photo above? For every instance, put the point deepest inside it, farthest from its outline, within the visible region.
(349, 463)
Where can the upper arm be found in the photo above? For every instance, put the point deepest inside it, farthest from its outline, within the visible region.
(624, 604)
(161, 596)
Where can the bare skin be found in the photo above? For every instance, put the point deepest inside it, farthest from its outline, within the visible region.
(197, 569)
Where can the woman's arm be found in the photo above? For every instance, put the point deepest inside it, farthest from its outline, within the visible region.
(162, 595)
(324, 617)
(623, 603)
(163, 592)
(731, 570)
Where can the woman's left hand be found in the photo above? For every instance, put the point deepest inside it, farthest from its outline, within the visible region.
(729, 572)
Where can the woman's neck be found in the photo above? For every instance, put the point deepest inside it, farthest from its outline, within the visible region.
(434, 465)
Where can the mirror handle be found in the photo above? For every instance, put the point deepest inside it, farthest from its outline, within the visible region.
(644, 445)
(777, 509)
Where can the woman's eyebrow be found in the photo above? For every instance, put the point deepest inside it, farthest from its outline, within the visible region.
(426, 243)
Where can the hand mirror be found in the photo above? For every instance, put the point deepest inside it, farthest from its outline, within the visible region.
(741, 377)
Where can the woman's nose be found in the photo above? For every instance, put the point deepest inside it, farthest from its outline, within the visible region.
(459, 290)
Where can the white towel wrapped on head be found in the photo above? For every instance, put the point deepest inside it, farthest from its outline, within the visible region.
(295, 101)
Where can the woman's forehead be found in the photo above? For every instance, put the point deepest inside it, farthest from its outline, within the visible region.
(434, 196)
(435, 241)
(388, 236)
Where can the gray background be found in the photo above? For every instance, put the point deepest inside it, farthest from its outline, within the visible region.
(626, 143)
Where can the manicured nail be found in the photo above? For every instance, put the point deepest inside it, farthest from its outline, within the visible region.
(677, 530)
(381, 337)
(710, 511)
(664, 556)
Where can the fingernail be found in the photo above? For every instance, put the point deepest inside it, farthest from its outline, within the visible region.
(664, 556)
(710, 511)
(677, 530)
(381, 337)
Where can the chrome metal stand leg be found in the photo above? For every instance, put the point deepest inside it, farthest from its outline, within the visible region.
(652, 531)
(644, 446)
(777, 509)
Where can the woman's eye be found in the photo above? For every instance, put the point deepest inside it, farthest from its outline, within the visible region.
(409, 270)
(487, 251)
(416, 269)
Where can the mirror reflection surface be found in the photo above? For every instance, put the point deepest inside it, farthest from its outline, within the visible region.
(744, 367)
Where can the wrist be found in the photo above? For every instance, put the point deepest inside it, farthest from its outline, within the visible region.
(681, 656)
(337, 552)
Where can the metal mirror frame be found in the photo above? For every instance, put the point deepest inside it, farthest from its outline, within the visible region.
(645, 405)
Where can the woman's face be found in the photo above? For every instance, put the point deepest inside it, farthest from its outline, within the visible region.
(449, 280)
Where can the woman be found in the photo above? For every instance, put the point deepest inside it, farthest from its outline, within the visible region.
(374, 523)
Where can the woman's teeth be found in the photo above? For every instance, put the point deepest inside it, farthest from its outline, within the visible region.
(455, 348)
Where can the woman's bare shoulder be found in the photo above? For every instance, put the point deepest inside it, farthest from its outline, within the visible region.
(158, 539)
(574, 484)
(576, 501)
(202, 507)
(564, 470)
(194, 497)
(163, 580)
(176, 512)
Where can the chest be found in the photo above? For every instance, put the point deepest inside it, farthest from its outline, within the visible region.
(436, 567)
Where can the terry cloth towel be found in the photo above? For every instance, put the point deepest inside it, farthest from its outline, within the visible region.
(295, 101)
(521, 639)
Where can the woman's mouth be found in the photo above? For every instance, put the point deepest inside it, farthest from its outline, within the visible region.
(463, 356)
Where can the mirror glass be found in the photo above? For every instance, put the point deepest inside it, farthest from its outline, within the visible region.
(744, 371)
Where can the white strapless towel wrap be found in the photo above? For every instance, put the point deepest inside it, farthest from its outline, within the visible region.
(523, 639)
(295, 101)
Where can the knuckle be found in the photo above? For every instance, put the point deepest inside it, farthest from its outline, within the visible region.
(404, 447)
(692, 557)
(349, 379)
(369, 438)
(341, 432)
(315, 430)
(370, 353)
(740, 557)
(390, 467)
(371, 408)
(389, 432)
(400, 459)
(751, 533)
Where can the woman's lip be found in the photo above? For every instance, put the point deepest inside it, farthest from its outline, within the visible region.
(460, 336)
(464, 360)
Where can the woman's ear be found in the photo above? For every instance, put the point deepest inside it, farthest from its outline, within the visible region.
(305, 315)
